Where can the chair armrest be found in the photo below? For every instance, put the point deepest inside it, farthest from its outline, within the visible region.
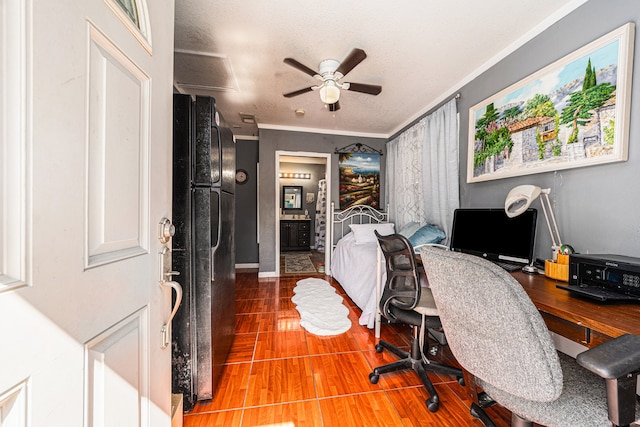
(613, 359)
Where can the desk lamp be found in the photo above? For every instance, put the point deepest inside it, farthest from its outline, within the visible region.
(520, 198)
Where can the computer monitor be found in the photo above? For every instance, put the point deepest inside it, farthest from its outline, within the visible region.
(491, 234)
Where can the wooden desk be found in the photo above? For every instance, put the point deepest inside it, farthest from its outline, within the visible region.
(578, 319)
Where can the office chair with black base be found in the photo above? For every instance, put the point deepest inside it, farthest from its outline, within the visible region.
(500, 339)
(405, 300)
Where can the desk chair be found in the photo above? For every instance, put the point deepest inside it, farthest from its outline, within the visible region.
(405, 300)
(499, 337)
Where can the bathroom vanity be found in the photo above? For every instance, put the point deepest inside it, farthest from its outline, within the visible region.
(295, 234)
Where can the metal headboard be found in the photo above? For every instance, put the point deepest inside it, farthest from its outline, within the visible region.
(359, 214)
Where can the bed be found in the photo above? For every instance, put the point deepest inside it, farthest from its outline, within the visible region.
(356, 263)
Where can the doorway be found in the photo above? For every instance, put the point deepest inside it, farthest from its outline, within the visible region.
(302, 169)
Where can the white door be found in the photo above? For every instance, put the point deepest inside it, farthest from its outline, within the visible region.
(85, 177)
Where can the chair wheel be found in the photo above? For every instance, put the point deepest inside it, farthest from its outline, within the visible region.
(432, 404)
(379, 348)
(433, 350)
(373, 378)
(460, 381)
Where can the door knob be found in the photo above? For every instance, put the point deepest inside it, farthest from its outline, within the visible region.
(166, 230)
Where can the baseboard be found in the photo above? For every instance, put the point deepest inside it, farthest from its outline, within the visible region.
(248, 265)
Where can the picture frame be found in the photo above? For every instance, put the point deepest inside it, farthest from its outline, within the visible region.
(572, 113)
(359, 179)
(311, 197)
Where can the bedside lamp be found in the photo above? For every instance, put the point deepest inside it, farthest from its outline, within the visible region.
(520, 198)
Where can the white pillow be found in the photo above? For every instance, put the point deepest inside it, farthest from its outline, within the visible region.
(364, 232)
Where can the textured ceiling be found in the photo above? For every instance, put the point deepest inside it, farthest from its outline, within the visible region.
(420, 51)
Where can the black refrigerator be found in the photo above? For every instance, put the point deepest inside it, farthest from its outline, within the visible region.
(203, 249)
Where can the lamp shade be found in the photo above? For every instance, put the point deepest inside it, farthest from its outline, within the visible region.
(329, 92)
(520, 198)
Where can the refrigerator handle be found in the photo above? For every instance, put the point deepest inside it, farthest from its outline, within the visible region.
(214, 249)
(216, 166)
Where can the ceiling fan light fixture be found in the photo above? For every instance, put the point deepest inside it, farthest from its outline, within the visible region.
(329, 92)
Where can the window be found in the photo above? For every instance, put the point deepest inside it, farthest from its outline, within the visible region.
(130, 8)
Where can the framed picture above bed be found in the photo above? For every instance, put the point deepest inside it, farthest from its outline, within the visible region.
(359, 179)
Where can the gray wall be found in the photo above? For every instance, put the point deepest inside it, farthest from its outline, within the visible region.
(278, 140)
(247, 204)
(597, 206)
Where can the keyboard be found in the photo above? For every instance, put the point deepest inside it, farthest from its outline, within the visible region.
(598, 293)
(507, 266)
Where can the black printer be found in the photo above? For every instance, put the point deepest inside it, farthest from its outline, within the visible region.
(604, 277)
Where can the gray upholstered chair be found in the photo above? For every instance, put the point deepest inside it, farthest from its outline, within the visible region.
(498, 336)
(405, 300)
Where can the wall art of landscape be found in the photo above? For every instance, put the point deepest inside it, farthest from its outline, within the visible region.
(564, 118)
(359, 179)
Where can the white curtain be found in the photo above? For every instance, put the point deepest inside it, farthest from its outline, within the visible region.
(422, 176)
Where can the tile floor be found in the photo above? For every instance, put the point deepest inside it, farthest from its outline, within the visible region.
(279, 375)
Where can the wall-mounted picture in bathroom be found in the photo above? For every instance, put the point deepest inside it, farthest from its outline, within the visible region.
(359, 179)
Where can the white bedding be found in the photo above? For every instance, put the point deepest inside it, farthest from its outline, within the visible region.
(355, 267)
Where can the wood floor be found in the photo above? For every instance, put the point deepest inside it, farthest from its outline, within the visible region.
(279, 375)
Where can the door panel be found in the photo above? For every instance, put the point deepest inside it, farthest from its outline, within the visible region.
(118, 374)
(90, 181)
(118, 160)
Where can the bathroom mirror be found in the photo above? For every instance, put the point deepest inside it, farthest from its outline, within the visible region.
(291, 197)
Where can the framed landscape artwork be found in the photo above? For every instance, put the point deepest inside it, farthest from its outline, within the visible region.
(572, 113)
(359, 179)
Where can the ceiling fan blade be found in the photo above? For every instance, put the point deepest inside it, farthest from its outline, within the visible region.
(299, 66)
(354, 58)
(297, 92)
(364, 88)
(335, 106)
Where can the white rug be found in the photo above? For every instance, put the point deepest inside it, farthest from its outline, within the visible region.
(320, 307)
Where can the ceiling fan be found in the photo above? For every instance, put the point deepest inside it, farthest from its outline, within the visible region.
(330, 74)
